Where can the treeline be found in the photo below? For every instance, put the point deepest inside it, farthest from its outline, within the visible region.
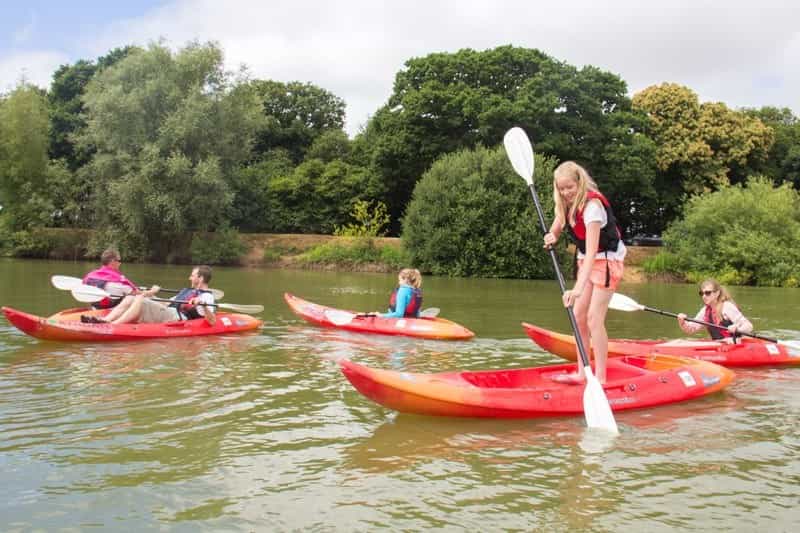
(155, 148)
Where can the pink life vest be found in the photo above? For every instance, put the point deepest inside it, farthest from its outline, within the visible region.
(102, 276)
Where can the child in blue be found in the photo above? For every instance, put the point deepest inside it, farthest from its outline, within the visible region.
(406, 299)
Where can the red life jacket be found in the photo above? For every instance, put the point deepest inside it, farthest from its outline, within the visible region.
(716, 333)
(413, 307)
(610, 234)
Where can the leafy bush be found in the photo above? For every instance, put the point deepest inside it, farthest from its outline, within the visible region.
(356, 252)
(369, 222)
(472, 215)
(47, 243)
(222, 247)
(740, 235)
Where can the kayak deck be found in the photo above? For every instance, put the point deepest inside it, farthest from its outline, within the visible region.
(746, 352)
(426, 328)
(66, 326)
(633, 382)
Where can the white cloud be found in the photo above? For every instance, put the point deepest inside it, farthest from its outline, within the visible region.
(740, 53)
(36, 67)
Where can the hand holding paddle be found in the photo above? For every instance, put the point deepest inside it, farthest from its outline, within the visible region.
(88, 293)
(67, 283)
(620, 302)
(596, 408)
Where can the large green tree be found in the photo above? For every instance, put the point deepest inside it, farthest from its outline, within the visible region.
(66, 105)
(296, 114)
(783, 161)
(170, 130)
(700, 143)
(29, 183)
(446, 102)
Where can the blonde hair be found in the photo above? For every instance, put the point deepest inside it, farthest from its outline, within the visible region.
(571, 169)
(723, 296)
(411, 276)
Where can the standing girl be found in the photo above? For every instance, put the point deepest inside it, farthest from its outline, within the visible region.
(587, 216)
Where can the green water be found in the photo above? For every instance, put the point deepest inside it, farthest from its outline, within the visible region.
(261, 432)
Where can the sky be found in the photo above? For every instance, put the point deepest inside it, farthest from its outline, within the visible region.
(744, 54)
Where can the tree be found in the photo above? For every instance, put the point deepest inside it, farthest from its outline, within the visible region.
(296, 114)
(66, 105)
(170, 130)
(444, 102)
(26, 174)
(783, 161)
(700, 144)
(471, 215)
(746, 235)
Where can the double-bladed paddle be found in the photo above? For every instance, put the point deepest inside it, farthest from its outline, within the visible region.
(620, 302)
(340, 318)
(67, 283)
(596, 408)
(88, 293)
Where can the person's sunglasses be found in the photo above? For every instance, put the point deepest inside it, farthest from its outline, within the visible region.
(705, 293)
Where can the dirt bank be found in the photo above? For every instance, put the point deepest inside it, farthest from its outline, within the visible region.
(282, 250)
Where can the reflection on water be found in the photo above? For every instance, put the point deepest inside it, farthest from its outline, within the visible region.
(262, 432)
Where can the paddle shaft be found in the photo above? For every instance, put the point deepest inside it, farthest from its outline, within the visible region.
(708, 324)
(561, 283)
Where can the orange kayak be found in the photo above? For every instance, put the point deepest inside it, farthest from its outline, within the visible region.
(67, 326)
(632, 382)
(426, 328)
(746, 352)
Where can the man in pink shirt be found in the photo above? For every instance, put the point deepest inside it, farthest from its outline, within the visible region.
(110, 279)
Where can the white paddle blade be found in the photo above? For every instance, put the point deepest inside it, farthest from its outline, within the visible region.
(430, 312)
(620, 302)
(239, 308)
(218, 294)
(340, 318)
(793, 347)
(595, 405)
(520, 153)
(87, 293)
(65, 283)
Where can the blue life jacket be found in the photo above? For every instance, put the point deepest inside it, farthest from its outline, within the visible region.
(186, 311)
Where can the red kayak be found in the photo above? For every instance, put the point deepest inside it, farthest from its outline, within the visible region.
(426, 328)
(633, 382)
(67, 326)
(746, 352)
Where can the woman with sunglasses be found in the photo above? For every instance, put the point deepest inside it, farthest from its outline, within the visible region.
(718, 308)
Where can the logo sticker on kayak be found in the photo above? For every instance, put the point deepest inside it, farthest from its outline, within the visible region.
(226, 321)
(772, 349)
(401, 323)
(687, 378)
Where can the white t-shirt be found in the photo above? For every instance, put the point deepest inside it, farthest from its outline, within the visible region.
(206, 298)
(595, 212)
